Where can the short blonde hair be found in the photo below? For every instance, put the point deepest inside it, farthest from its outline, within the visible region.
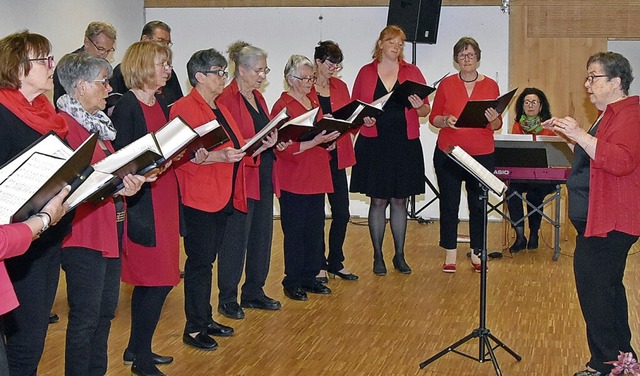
(138, 63)
(389, 32)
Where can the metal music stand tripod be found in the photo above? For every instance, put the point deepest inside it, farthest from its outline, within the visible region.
(485, 348)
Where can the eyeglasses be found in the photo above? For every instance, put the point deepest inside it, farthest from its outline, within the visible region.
(308, 80)
(165, 42)
(470, 56)
(50, 61)
(592, 77)
(263, 72)
(104, 82)
(165, 65)
(333, 66)
(102, 50)
(531, 103)
(218, 72)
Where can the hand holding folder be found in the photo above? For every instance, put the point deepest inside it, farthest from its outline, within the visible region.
(472, 116)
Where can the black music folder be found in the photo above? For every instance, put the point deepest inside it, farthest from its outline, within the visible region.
(356, 111)
(37, 174)
(472, 115)
(401, 93)
(298, 126)
(255, 142)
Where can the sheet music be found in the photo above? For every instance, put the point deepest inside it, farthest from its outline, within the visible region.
(94, 182)
(125, 155)
(495, 184)
(20, 186)
(51, 145)
(173, 136)
(207, 127)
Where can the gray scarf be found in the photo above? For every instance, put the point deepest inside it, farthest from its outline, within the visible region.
(98, 123)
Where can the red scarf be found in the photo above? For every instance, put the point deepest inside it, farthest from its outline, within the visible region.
(39, 115)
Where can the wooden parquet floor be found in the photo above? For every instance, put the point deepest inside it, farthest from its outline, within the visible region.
(385, 325)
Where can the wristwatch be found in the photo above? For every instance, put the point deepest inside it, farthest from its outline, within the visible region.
(46, 221)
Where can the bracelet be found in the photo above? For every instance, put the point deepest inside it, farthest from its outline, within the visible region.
(46, 221)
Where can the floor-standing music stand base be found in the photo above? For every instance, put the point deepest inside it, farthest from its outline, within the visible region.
(485, 349)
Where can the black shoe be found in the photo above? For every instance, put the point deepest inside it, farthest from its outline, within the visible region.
(317, 288)
(231, 310)
(322, 279)
(345, 276)
(53, 318)
(128, 357)
(587, 372)
(219, 330)
(295, 294)
(401, 265)
(533, 241)
(136, 370)
(379, 268)
(201, 341)
(264, 302)
(518, 245)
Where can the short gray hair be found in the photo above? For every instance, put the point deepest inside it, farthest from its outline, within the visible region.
(245, 54)
(75, 67)
(294, 64)
(96, 28)
(202, 61)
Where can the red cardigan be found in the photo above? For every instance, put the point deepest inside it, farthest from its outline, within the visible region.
(15, 239)
(208, 187)
(450, 99)
(339, 96)
(365, 86)
(234, 102)
(88, 216)
(302, 173)
(614, 184)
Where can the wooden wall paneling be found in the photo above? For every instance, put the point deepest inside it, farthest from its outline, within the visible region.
(295, 3)
(555, 65)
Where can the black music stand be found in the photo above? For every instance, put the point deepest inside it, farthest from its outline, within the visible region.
(482, 332)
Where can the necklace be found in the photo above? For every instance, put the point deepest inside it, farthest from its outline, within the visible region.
(141, 97)
(474, 80)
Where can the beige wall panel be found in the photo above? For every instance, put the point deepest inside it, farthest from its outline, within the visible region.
(295, 3)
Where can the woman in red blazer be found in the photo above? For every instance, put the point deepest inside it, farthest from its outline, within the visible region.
(248, 235)
(390, 164)
(333, 94)
(212, 186)
(303, 176)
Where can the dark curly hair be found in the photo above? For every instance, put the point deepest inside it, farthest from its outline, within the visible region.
(545, 110)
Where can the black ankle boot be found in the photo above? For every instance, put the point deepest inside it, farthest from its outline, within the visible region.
(379, 268)
(533, 240)
(521, 241)
(400, 264)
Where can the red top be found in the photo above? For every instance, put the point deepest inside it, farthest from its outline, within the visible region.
(15, 239)
(302, 173)
(365, 86)
(208, 187)
(234, 102)
(517, 129)
(450, 99)
(614, 183)
(339, 96)
(88, 216)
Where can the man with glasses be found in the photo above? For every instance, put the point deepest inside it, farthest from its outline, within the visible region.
(99, 39)
(160, 32)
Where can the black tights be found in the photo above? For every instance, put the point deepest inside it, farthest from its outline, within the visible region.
(377, 222)
(146, 307)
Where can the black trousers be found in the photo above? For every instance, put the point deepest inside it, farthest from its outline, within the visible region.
(35, 278)
(339, 202)
(4, 363)
(599, 265)
(450, 177)
(202, 240)
(302, 220)
(535, 194)
(93, 288)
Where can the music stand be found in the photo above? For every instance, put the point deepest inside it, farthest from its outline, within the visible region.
(487, 182)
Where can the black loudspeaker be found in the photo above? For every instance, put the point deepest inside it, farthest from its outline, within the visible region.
(417, 18)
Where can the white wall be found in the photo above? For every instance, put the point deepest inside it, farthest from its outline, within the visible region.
(285, 31)
(63, 22)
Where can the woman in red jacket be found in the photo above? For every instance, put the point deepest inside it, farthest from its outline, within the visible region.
(453, 94)
(303, 176)
(603, 187)
(333, 93)
(390, 164)
(248, 235)
(212, 187)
